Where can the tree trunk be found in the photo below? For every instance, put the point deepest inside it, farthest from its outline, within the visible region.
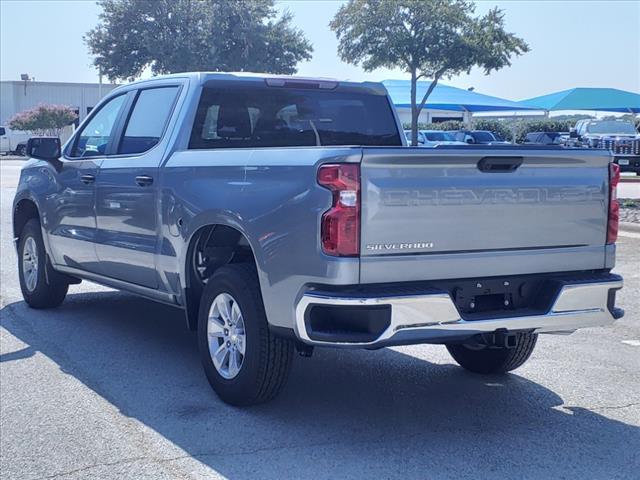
(417, 109)
(434, 82)
(414, 109)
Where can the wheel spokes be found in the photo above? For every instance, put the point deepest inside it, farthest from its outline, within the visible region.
(236, 315)
(220, 357)
(30, 263)
(215, 327)
(226, 335)
(234, 363)
(222, 306)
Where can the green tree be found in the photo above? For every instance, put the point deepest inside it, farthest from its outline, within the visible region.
(194, 35)
(428, 39)
(43, 119)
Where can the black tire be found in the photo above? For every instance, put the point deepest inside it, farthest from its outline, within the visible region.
(49, 289)
(22, 150)
(267, 358)
(494, 359)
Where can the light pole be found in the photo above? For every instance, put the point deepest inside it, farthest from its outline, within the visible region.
(25, 78)
(99, 83)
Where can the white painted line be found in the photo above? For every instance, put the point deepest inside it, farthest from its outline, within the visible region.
(633, 343)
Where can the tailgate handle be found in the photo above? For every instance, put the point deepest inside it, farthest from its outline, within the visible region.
(499, 164)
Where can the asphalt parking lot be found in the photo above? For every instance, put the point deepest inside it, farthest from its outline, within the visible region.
(109, 386)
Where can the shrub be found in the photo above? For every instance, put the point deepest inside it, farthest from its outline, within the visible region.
(509, 128)
(448, 125)
(44, 119)
(497, 127)
(546, 125)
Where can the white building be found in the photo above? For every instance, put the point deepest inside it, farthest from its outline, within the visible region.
(17, 96)
(429, 115)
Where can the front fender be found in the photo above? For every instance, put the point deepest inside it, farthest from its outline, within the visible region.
(36, 182)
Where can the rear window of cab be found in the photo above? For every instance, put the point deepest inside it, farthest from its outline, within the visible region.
(246, 117)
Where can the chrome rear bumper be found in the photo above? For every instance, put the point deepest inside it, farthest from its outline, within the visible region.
(434, 318)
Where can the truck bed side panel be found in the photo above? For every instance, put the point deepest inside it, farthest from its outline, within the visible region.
(273, 198)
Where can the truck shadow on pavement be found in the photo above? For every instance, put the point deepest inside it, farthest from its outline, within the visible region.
(342, 414)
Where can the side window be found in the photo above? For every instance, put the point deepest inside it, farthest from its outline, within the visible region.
(94, 136)
(148, 119)
(2, 131)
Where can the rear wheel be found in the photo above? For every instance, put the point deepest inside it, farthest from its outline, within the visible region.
(489, 359)
(41, 287)
(21, 150)
(244, 362)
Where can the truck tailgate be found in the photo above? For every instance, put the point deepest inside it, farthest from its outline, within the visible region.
(433, 206)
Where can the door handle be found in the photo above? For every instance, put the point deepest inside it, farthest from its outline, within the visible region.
(87, 179)
(144, 180)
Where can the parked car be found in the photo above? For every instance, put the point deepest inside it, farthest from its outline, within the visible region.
(618, 136)
(478, 137)
(190, 195)
(433, 138)
(407, 134)
(438, 137)
(12, 141)
(546, 138)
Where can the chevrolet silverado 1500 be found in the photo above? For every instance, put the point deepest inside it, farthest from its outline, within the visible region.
(284, 214)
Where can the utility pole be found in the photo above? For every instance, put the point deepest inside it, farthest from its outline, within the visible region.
(99, 83)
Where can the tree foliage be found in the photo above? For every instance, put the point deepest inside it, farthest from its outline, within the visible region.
(43, 119)
(194, 35)
(432, 39)
(500, 128)
(547, 125)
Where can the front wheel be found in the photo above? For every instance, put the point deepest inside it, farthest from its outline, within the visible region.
(22, 150)
(40, 288)
(244, 362)
(489, 359)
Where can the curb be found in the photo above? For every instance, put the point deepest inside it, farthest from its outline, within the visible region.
(630, 227)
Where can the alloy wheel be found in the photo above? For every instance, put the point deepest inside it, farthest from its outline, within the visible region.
(30, 264)
(226, 335)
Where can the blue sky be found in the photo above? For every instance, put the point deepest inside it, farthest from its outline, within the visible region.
(574, 43)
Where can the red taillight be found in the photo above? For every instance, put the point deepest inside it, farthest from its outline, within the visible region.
(340, 226)
(614, 206)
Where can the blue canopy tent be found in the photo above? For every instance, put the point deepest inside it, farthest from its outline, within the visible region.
(445, 97)
(596, 99)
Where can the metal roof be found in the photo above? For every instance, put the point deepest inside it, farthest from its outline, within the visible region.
(599, 99)
(445, 97)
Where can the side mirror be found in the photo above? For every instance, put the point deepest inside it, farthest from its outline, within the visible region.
(48, 149)
(573, 133)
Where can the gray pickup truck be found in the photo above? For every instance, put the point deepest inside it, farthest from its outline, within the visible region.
(283, 213)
